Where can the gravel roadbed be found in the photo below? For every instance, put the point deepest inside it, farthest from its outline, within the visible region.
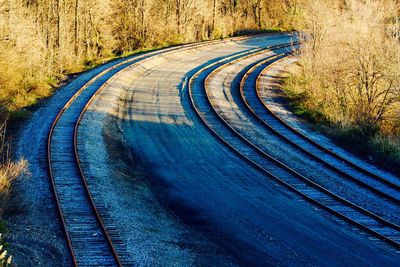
(152, 234)
(190, 200)
(223, 90)
(36, 235)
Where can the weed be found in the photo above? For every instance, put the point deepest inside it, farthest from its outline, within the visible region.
(5, 257)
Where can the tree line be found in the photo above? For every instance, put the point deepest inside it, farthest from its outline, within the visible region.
(42, 40)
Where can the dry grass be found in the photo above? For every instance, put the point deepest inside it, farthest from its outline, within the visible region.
(5, 257)
(9, 170)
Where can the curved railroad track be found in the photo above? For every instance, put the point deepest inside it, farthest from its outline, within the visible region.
(242, 120)
(283, 174)
(92, 237)
(250, 94)
(372, 172)
(221, 95)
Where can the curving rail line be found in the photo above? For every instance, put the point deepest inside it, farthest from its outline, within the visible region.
(246, 76)
(389, 180)
(250, 94)
(92, 238)
(334, 204)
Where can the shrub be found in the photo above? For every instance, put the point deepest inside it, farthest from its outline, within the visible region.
(5, 257)
(9, 170)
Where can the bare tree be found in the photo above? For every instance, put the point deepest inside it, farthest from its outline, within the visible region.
(182, 13)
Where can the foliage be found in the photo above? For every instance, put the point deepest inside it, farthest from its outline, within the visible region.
(350, 64)
(9, 170)
(43, 40)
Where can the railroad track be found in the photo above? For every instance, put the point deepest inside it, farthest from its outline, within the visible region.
(250, 91)
(386, 178)
(281, 173)
(231, 93)
(92, 237)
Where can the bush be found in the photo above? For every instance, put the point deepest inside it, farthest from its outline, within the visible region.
(5, 257)
(9, 170)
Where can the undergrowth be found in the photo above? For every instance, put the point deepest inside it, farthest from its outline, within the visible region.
(5, 257)
(9, 171)
(372, 144)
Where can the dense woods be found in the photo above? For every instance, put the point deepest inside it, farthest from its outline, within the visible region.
(42, 40)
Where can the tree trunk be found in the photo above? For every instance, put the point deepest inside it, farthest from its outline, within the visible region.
(178, 16)
(214, 15)
(58, 18)
(142, 19)
(259, 8)
(76, 48)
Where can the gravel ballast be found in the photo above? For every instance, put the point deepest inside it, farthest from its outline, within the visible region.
(177, 185)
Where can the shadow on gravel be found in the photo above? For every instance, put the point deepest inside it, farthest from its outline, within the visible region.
(224, 200)
(211, 191)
